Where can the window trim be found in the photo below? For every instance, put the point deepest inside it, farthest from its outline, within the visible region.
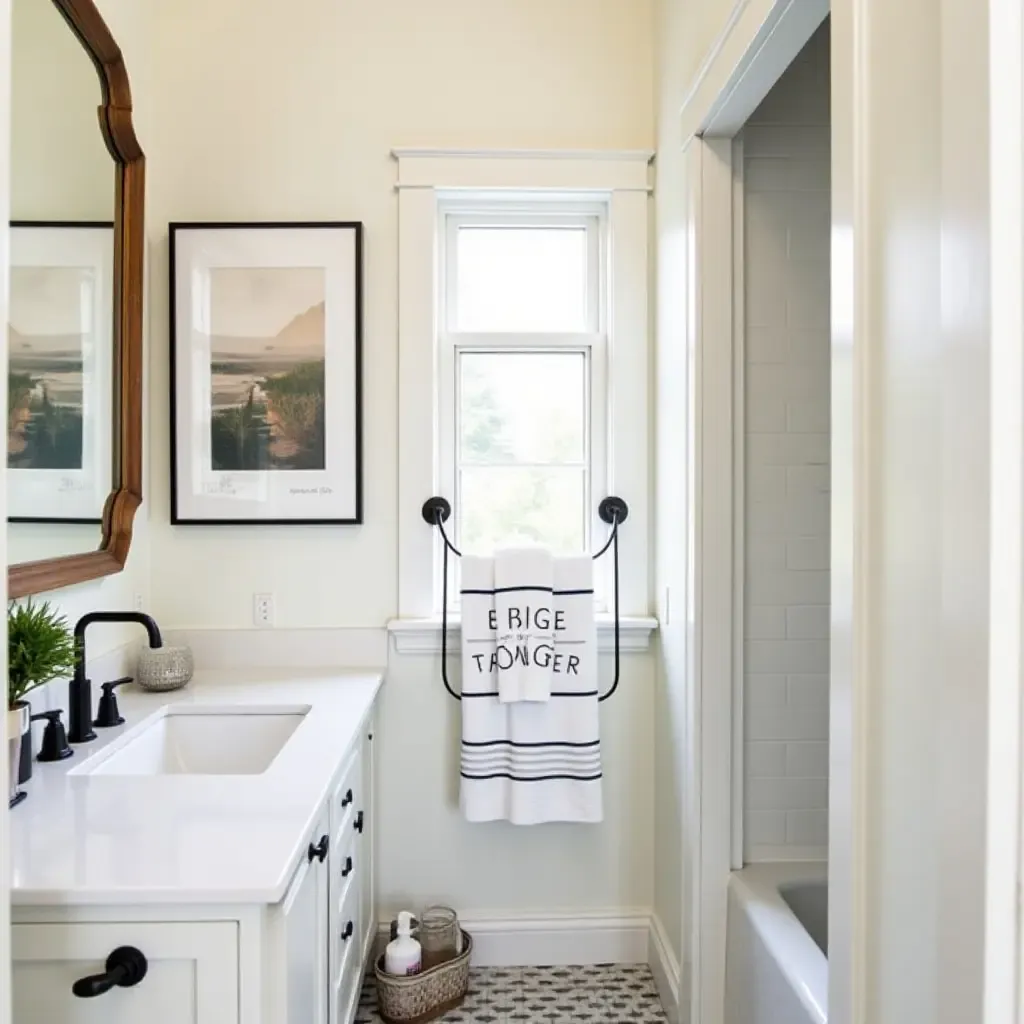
(426, 181)
(592, 343)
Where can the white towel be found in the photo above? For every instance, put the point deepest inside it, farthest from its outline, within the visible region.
(531, 762)
(523, 581)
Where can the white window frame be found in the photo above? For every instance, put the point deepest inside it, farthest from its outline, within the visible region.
(547, 211)
(431, 181)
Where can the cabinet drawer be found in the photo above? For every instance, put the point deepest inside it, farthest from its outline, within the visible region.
(347, 796)
(346, 960)
(345, 864)
(191, 973)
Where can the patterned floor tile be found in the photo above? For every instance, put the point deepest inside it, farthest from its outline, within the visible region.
(603, 994)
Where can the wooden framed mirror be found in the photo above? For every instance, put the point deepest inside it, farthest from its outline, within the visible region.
(74, 425)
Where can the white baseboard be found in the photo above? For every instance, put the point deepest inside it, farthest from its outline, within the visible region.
(549, 939)
(665, 968)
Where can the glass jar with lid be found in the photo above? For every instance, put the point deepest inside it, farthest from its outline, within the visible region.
(439, 935)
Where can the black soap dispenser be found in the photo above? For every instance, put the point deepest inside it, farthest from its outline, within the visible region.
(55, 741)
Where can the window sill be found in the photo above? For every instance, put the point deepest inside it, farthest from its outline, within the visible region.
(423, 636)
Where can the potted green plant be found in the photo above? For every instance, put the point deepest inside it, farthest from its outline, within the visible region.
(40, 648)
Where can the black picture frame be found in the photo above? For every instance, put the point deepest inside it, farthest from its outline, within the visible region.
(177, 230)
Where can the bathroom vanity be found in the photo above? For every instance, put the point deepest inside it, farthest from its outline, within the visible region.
(222, 838)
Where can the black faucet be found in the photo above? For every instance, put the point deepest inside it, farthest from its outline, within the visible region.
(80, 688)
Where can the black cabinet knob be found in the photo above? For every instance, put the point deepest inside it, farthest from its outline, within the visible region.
(347, 869)
(347, 798)
(358, 826)
(126, 966)
(347, 933)
(319, 851)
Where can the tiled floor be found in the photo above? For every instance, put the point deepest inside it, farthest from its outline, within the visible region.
(614, 994)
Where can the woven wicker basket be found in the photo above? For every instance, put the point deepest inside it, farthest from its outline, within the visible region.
(426, 996)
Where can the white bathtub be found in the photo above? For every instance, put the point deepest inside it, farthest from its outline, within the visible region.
(776, 966)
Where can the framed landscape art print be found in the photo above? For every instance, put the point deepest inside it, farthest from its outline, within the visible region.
(266, 395)
(60, 371)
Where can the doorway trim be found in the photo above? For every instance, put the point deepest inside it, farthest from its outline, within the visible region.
(760, 40)
(1004, 982)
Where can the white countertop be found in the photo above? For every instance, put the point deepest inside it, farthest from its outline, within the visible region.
(109, 839)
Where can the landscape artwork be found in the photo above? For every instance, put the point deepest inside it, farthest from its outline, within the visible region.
(267, 359)
(50, 319)
(266, 328)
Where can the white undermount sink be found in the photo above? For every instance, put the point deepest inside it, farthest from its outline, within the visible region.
(200, 741)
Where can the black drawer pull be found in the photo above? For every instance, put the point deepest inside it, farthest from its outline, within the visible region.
(126, 966)
(347, 869)
(358, 826)
(346, 799)
(318, 852)
(347, 933)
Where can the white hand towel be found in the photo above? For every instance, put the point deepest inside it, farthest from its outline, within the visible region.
(523, 584)
(477, 603)
(532, 762)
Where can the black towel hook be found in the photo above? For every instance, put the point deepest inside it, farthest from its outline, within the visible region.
(436, 511)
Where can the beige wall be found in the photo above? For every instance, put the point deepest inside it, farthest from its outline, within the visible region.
(264, 117)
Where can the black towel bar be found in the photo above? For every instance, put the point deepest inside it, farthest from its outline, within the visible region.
(612, 510)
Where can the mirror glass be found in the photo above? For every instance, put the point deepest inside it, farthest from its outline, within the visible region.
(60, 367)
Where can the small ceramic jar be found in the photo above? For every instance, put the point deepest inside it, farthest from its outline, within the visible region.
(164, 668)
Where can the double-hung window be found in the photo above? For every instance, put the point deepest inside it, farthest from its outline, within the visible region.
(522, 357)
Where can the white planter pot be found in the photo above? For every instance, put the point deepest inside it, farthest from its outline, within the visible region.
(16, 722)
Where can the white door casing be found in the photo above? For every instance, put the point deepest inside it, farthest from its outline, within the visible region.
(745, 62)
(1004, 992)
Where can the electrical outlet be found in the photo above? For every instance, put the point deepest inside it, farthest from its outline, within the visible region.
(263, 610)
(139, 603)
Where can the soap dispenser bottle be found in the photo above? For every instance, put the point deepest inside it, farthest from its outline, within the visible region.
(403, 955)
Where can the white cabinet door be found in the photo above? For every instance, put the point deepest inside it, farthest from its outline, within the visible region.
(191, 973)
(305, 924)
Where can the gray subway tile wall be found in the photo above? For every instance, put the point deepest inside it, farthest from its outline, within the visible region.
(786, 410)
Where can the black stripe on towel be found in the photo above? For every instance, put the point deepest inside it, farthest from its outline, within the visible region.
(531, 757)
(554, 693)
(485, 765)
(539, 778)
(513, 743)
(542, 590)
